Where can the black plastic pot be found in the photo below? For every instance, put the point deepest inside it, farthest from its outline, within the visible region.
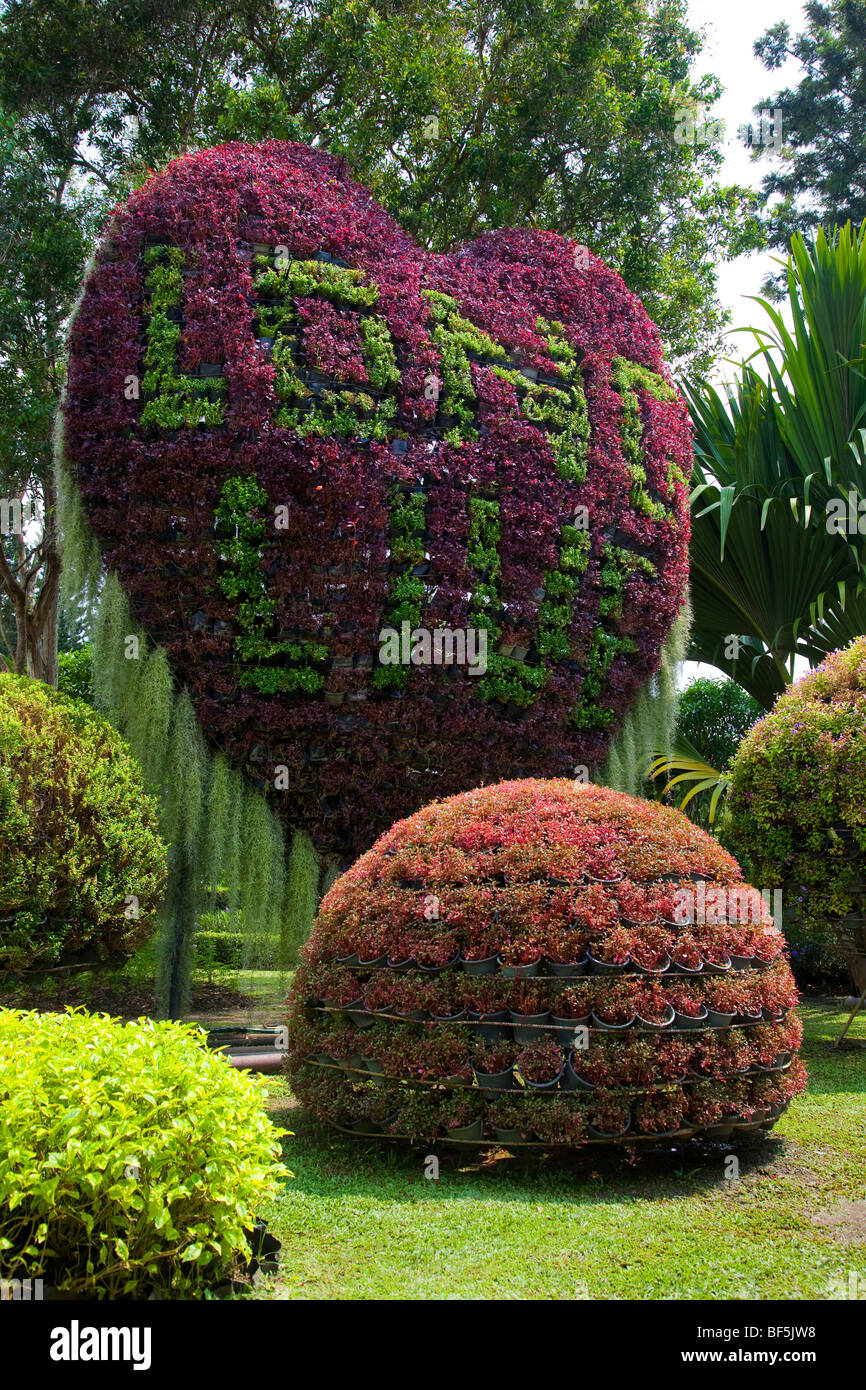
(551, 1085)
(572, 1080)
(492, 1083)
(415, 1016)
(605, 967)
(745, 1017)
(676, 968)
(520, 972)
(471, 1133)
(376, 964)
(654, 1027)
(359, 1014)
(719, 1020)
(489, 1026)
(741, 962)
(563, 1028)
(572, 970)
(528, 1027)
(652, 971)
(376, 1071)
(509, 1136)
(689, 1023)
(365, 1126)
(713, 968)
(452, 1018)
(611, 1027)
(438, 969)
(401, 966)
(488, 966)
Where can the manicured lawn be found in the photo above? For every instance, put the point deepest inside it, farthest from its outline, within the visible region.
(361, 1221)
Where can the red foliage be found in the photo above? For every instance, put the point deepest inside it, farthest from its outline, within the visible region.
(483, 912)
(151, 494)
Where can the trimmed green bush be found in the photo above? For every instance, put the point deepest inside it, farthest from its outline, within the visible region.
(82, 864)
(132, 1157)
(797, 808)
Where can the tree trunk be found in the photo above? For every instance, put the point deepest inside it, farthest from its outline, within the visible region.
(36, 608)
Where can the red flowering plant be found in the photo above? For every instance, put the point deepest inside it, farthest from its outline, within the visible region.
(337, 433)
(557, 1120)
(686, 998)
(608, 1115)
(490, 918)
(614, 947)
(661, 1113)
(648, 947)
(616, 1002)
(540, 1061)
(686, 950)
(492, 1058)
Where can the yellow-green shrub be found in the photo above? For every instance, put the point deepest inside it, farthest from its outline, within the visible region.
(79, 835)
(131, 1156)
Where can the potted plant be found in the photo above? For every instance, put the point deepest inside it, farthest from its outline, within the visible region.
(574, 1080)
(649, 950)
(528, 1027)
(492, 1067)
(660, 1113)
(610, 955)
(652, 1008)
(614, 1007)
(690, 1012)
(573, 966)
(540, 1066)
(608, 1118)
(520, 961)
(511, 1120)
(463, 1119)
(686, 956)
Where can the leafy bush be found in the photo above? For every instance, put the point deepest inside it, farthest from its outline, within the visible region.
(797, 808)
(715, 716)
(75, 675)
(132, 1157)
(82, 865)
(540, 874)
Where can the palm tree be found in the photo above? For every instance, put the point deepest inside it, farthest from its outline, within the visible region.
(771, 580)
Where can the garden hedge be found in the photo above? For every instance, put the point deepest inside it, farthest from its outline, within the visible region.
(797, 806)
(544, 962)
(133, 1158)
(82, 863)
(323, 432)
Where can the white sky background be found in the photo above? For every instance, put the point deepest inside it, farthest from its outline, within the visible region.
(730, 30)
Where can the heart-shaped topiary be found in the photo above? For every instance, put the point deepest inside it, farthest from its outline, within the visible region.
(402, 522)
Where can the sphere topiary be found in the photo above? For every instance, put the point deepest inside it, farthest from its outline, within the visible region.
(546, 962)
(346, 457)
(82, 864)
(797, 806)
(136, 1156)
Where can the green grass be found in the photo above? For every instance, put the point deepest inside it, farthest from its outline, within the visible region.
(361, 1221)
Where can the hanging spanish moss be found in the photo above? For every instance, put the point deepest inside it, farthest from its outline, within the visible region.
(224, 839)
(301, 896)
(648, 728)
